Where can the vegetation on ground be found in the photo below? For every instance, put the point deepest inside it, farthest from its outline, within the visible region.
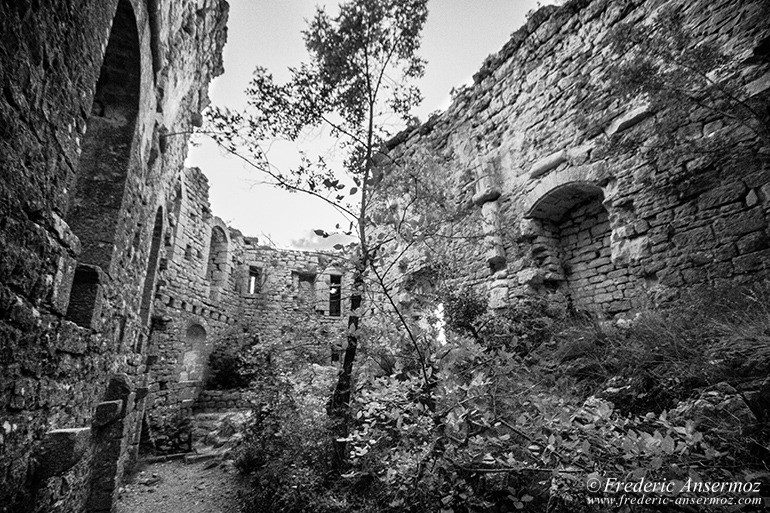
(520, 415)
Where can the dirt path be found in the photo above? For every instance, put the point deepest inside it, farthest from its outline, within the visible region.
(173, 486)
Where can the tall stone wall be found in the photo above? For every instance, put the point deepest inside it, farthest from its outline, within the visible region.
(191, 311)
(293, 299)
(214, 286)
(92, 93)
(607, 232)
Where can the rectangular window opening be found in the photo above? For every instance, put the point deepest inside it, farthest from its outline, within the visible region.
(335, 296)
(255, 279)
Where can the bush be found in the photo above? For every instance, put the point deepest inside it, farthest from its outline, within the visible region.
(519, 422)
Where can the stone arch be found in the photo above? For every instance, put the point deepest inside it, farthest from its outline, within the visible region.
(148, 292)
(569, 180)
(192, 367)
(93, 211)
(217, 266)
(572, 248)
(561, 199)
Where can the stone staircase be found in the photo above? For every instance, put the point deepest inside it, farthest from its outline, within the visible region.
(215, 435)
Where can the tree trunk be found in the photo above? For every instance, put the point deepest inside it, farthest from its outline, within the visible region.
(339, 403)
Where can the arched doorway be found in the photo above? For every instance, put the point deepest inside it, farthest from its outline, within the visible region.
(573, 247)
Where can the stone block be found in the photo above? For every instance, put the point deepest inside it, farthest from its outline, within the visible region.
(752, 262)
(627, 120)
(751, 198)
(544, 165)
(758, 86)
(62, 283)
(738, 224)
(107, 412)
(721, 196)
(530, 277)
(498, 297)
(61, 450)
(486, 192)
(752, 242)
(695, 238)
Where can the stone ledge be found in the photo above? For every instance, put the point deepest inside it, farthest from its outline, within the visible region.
(62, 449)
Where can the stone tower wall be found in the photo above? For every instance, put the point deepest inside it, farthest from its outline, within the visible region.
(205, 300)
(603, 231)
(92, 93)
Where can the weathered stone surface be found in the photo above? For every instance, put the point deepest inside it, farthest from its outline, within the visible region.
(62, 449)
(83, 180)
(486, 191)
(583, 223)
(107, 412)
(544, 165)
(628, 120)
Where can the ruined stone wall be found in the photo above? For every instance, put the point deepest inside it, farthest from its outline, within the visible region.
(604, 231)
(215, 285)
(292, 301)
(91, 91)
(193, 307)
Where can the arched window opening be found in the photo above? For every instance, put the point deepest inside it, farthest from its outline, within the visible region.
(94, 206)
(573, 249)
(148, 294)
(192, 364)
(216, 272)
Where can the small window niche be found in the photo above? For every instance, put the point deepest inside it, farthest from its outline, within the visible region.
(85, 306)
(255, 280)
(306, 289)
(335, 295)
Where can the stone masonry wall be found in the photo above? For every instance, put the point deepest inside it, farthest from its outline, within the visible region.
(523, 151)
(213, 285)
(188, 317)
(92, 91)
(292, 301)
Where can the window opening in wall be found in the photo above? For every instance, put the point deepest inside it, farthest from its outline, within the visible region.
(86, 296)
(216, 271)
(93, 210)
(152, 268)
(255, 279)
(188, 252)
(335, 295)
(306, 289)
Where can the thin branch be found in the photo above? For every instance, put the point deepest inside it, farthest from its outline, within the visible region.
(283, 183)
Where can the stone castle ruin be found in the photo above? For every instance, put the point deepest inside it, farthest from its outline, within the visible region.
(561, 217)
(117, 282)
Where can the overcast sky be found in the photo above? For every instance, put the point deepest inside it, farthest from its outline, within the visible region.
(458, 36)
